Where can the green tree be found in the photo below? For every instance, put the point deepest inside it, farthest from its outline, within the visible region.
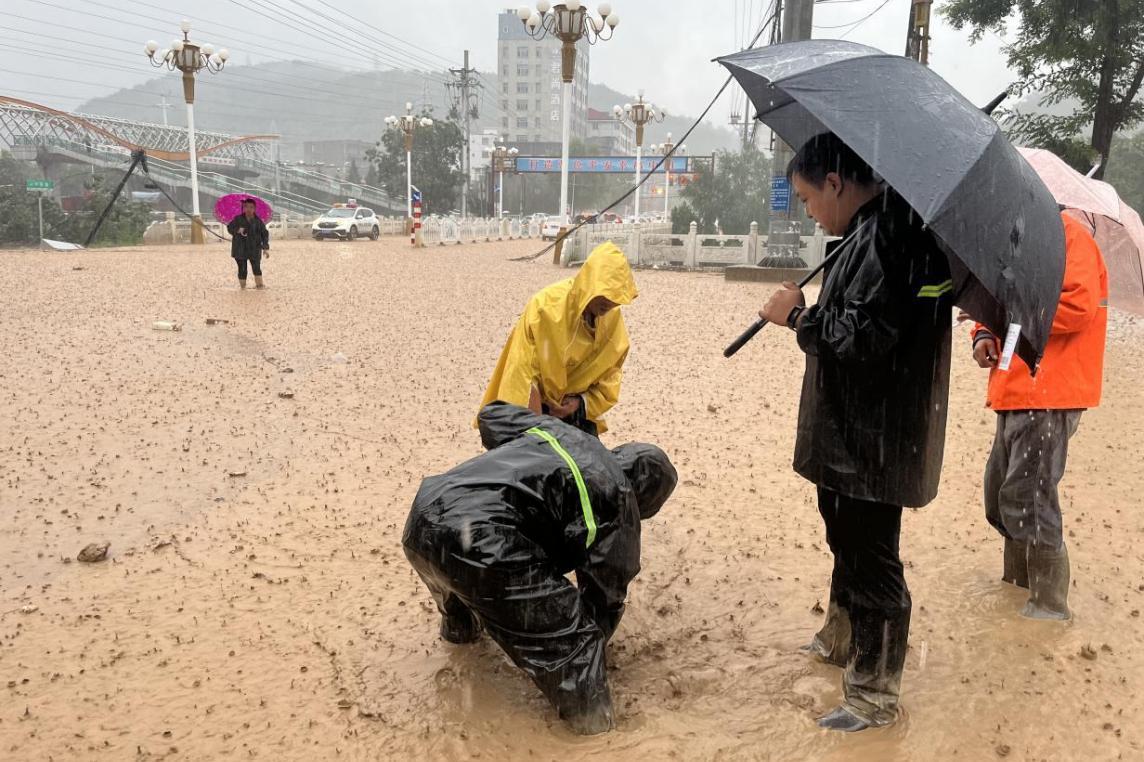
(437, 169)
(1127, 171)
(371, 177)
(124, 224)
(1087, 51)
(19, 209)
(353, 175)
(736, 194)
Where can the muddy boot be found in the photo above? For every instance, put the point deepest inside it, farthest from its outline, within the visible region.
(1048, 583)
(1016, 567)
(460, 628)
(242, 283)
(842, 720)
(831, 644)
(592, 720)
(258, 282)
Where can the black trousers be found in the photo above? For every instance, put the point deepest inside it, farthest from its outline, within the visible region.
(869, 586)
(255, 265)
(579, 419)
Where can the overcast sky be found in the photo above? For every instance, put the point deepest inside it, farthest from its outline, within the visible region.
(62, 52)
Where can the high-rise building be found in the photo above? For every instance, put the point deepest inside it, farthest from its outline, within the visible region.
(530, 80)
(609, 136)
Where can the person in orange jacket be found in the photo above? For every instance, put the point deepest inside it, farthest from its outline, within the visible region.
(1036, 416)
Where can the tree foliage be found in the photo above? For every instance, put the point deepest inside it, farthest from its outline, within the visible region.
(735, 194)
(437, 171)
(1087, 51)
(1126, 172)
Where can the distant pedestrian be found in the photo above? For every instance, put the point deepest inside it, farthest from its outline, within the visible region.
(249, 241)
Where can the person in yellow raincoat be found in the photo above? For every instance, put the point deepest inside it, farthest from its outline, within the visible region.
(566, 354)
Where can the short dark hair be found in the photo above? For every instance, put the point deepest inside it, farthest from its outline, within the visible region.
(246, 201)
(826, 153)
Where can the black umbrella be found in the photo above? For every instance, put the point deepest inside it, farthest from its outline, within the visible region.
(991, 214)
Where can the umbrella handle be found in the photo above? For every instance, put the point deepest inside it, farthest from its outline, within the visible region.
(757, 326)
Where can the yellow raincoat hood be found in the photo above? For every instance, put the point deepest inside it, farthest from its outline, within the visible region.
(552, 348)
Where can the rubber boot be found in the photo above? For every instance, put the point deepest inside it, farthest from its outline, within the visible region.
(242, 283)
(592, 720)
(831, 644)
(258, 282)
(460, 628)
(1016, 565)
(842, 720)
(1048, 583)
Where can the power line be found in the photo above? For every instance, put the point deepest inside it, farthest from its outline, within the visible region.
(857, 23)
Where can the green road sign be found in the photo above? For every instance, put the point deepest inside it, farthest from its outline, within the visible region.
(40, 185)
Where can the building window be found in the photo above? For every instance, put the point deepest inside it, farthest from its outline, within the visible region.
(522, 122)
(504, 123)
(504, 105)
(521, 70)
(504, 86)
(522, 105)
(522, 52)
(522, 87)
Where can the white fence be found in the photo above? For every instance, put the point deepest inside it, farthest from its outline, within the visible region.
(438, 231)
(656, 246)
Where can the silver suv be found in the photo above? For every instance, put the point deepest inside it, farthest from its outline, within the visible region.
(347, 223)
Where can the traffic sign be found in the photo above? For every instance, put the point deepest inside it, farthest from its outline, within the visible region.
(780, 194)
(40, 185)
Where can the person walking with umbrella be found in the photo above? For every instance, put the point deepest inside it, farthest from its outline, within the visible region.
(871, 422)
(250, 240)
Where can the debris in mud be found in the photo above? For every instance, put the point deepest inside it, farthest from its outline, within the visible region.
(712, 409)
(1003, 749)
(1088, 652)
(345, 704)
(29, 609)
(817, 608)
(286, 395)
(165, 325)
(93, 553)
(217, 321)
(78, 267)
(235, 474)
(674, 681)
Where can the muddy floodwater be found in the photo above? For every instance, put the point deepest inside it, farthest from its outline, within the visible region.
(252, 477)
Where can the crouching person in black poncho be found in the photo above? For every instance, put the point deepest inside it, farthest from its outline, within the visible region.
(493, 538)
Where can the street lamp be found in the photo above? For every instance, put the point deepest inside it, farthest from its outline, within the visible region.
(504, 159)
(569, 22)
(189, 58)
(408, 124)
(639, 114)
(668, 149)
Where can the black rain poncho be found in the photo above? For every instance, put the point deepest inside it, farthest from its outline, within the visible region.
(871, 423)
(495, 536)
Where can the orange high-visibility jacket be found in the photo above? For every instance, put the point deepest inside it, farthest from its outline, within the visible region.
(1072, 369)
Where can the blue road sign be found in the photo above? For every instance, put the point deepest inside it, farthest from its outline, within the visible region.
(780, 194)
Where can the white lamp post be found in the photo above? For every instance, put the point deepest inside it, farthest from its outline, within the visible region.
(569, 22)
(639, 114)
(668, 149)
(408, 124)
(189, 58)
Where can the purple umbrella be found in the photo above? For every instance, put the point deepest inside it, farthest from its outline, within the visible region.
(230, 206)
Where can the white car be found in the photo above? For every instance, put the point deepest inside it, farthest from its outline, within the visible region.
(346, 223)
(550, 229)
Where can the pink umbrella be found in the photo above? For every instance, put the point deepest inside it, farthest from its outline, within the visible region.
(1116, 226)
(230, 206)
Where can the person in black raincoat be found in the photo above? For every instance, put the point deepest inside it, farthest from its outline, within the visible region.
(871, 424)
(493, 538)
(249, 240)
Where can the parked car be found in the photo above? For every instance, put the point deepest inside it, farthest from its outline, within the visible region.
(550, 229)
(346, 223)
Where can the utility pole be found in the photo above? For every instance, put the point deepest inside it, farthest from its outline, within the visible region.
(918, 31)
(164, 105)
(464, 89)
(783, 235)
